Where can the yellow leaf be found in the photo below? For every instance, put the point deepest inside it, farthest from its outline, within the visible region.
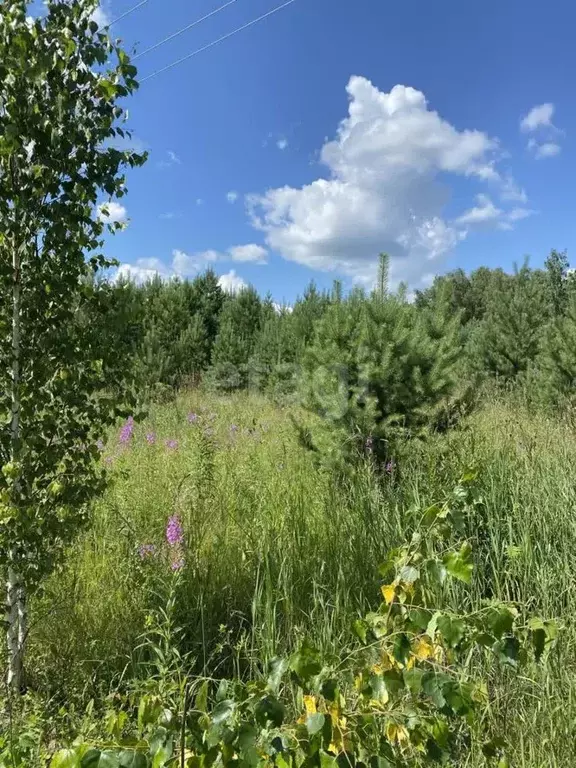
(388, 661)
(310, 705)
(398, 733)
(388, 592)
(377, 669)
(423, 648)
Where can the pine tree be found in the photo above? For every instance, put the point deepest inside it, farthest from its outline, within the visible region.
(506, 342)
(557, 361)
(377, 369)
(240, 322)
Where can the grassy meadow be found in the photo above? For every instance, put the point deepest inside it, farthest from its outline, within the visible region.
(276, 551)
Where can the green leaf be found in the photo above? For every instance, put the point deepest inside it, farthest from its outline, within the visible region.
(432, 684)
(65, 758)
(269, 710)
(327, 760)
(413, 680)
(306, 662)
(543, 634)
(508, 651)
(458, 696)
(360, 629)
(106, 759)
(223, 711)
(131, 759)
(314, 723)
(402, 647)
(409, 574)
(499, 620)
(459, 564)
(276, 671)
(201, 703)
(452, 629)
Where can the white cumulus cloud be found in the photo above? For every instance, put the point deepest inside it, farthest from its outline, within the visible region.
(383, 191)
(112, 212)
(232, 196)
(231, 282)
(142, 271)
(250, 252)
(486, 214)
(282, 143)
(538, 117)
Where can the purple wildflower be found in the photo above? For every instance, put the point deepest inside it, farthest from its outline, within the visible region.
(150, 438)
(172, 444)
(192, 418)
(177, 565)
(174, 531)
(127, 431)
(100, 444)
(146, 550)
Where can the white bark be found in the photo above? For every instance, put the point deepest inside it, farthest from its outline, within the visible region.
(13, 675)
(16, 615)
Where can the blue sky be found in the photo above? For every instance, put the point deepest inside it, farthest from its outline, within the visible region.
(302, 146)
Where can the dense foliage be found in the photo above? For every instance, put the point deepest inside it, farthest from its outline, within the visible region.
(61, 80)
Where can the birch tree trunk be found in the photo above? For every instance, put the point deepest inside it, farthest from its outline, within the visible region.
(16, 616)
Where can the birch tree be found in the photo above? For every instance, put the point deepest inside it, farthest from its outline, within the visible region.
(61, 78)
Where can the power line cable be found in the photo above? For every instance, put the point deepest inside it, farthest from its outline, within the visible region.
(184, 29)
(127, 13)
(219, 40)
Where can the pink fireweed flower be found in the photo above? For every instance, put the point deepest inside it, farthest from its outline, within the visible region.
(127, 431)
(174, 531)
(150, 438)
(172, 444)
(193, 418)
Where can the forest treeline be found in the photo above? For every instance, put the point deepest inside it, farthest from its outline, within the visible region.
(517, 327)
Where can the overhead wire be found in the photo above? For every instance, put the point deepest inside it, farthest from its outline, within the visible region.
(184, 29)
(219, 40)
(128, 12)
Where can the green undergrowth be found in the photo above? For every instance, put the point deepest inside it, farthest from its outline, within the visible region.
(277, 553)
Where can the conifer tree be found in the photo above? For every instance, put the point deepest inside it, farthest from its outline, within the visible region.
(240, 322)
(506, 342)
(557, 361)
(377, 369)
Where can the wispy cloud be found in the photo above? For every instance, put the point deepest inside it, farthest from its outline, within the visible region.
(544, 141)
(169, 161)
(232, 196)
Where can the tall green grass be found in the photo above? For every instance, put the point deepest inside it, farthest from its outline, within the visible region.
(276, 550)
